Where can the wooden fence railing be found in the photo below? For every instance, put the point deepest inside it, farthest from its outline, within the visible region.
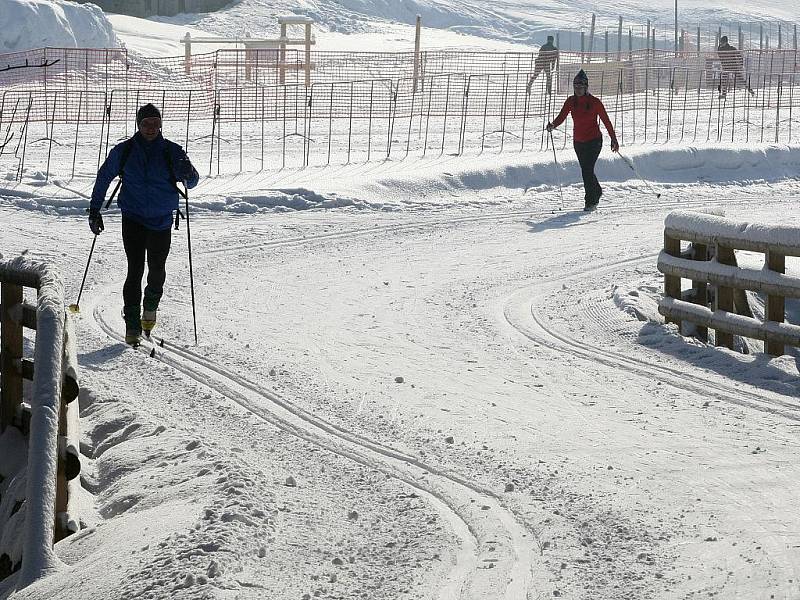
(49, 414)
(731, 315)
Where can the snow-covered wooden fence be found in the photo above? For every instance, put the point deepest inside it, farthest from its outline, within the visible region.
(731, 315)
(49, 415)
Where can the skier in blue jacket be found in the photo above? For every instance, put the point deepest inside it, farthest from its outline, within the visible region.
(149, 167)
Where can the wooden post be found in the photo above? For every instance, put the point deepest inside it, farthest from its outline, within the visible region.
(308, 54)
(187, 53)
(605, 54)
(672, 284)
(619, 40)
(775, 304)
(416, 52)
(10, 354)
(583, 46)
(247, 57)
(698, 41)
(724, 296)
(700, 288)
(282, 57)
(62, 492)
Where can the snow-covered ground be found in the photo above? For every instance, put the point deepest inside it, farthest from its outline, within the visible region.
(415, 379)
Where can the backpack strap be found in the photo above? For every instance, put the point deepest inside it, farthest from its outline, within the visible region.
(126, 152)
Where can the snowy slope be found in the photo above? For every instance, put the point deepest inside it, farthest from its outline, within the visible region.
(28, 24)
(513, 21)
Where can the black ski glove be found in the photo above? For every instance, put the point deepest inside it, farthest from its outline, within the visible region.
(96, 222)
(185, 170)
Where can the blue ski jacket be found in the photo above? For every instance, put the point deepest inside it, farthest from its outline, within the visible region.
(148, 194)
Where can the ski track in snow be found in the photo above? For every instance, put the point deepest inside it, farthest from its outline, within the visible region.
(521, 313)
(496, 535)
(489, 532)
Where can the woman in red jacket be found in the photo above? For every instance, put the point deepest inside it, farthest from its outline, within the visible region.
(587, 139)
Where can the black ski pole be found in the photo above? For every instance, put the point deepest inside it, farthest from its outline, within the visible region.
(558, 175)
(77, 306)
(633, 168)
(191, 270)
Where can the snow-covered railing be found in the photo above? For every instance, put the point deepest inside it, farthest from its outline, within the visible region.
(51, 423)
(731, 315)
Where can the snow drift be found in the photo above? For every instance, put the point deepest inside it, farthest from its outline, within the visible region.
(26, 24)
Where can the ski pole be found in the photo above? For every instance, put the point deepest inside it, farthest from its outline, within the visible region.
(77, 306)
(629, 162)
(191, 270)
(558, 168)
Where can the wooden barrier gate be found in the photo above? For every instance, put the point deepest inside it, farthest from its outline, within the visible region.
(731, 315)
(50, 422)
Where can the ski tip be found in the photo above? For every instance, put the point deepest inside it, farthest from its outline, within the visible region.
(161, 342)
(153, 353)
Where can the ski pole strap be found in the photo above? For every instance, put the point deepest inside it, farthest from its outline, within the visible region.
(114, 193)
(178, 216)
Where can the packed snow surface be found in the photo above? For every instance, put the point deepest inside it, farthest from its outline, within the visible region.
(430, 378)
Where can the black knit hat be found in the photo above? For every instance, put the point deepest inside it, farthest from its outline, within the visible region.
(581, 78)
(146, 112)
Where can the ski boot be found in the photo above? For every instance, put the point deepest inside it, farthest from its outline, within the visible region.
(133, 337)
(148, 321)
(133, 328)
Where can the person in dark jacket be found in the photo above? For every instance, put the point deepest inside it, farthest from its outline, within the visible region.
(149, 167)
(587, 138)
(732, 63)
(545, 61)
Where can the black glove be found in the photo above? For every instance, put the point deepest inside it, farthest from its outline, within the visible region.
(185, 169)
(96, 222)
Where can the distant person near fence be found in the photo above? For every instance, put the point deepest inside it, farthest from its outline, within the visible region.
(732, 63)
(546, 61)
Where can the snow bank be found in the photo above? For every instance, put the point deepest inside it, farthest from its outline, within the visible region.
(436, 184)
(26, 24)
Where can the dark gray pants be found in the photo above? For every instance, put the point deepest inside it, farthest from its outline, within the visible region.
(140, 243)
(587, 157)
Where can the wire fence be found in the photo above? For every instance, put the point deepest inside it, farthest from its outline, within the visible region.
(746, 35)
(115, 69)
(64, 121)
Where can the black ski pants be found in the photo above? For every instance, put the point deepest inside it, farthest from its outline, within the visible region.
(587, 157)
(140, 243)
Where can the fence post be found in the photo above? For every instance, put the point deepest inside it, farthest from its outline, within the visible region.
(282, 56)
(700, 288)
(775, 304)
(724, 295)
(187, 53)
(308, 54)
(416, 53)
(672, 284)
(11, 344)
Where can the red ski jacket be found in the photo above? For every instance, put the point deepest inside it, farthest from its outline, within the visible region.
(585, 110)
